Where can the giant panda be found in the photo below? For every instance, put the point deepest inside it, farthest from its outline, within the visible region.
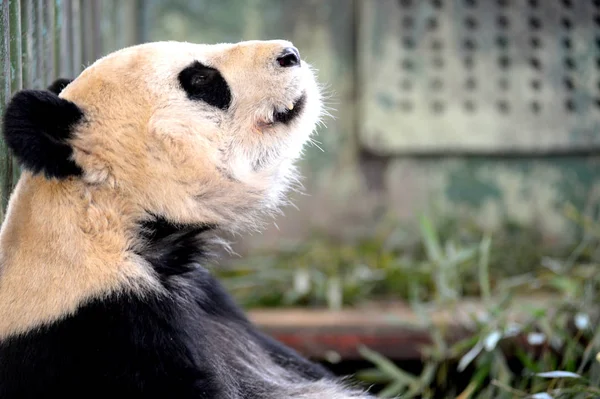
(130, 174)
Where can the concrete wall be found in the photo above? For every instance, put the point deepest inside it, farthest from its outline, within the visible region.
(481, 112)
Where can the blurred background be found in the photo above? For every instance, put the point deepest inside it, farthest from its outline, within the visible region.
(446, 244)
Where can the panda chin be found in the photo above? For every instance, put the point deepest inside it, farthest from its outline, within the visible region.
(287, 116)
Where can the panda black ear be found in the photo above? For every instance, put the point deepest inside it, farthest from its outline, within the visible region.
(37, 126)
(58, 85)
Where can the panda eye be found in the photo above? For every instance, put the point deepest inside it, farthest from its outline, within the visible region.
(203, 83)
(198, 80)
(202, 78)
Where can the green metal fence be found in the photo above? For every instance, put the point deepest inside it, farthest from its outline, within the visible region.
(41, 40)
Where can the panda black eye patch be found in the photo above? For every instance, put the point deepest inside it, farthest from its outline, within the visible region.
(202, 83)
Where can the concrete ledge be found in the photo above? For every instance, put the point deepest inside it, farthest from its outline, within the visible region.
(392, 329)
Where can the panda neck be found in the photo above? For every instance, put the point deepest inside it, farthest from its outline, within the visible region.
(173, 248)
(62, 244)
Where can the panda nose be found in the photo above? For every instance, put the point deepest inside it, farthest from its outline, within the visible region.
(289, 57)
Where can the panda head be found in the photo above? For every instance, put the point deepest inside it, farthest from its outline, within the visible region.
(193, 133)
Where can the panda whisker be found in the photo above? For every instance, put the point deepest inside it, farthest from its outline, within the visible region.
(315, 143)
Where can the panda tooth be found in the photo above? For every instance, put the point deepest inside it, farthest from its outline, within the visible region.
(290, 106)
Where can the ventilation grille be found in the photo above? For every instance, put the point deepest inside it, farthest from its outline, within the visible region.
(481, 75)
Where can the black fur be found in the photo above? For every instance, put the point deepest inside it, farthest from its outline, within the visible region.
(173, 249)
(37, 126)
(202, 83)
(178, 250)
(118, 347)
(149, 347)
(59, 85)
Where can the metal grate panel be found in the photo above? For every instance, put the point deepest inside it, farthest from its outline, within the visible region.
(480, 75)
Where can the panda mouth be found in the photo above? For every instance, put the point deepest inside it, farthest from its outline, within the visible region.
(292, 112)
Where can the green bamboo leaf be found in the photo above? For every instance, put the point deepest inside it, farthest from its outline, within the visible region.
(469, 356)
(558, 374)
(462, 255)
(424, 380)
(393, 390)
(386, 366)
(430, 239)
(373, 375)
(484, 275)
